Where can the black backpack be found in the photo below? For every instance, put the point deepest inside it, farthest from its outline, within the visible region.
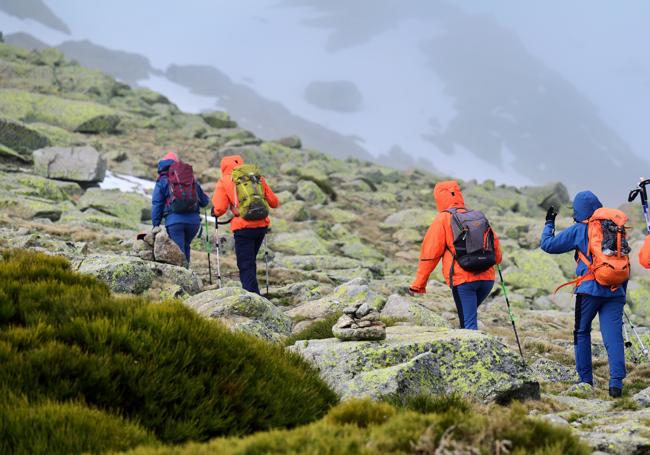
(473, 241)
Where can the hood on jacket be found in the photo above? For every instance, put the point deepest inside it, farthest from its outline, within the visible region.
(447, 195)
(228, 163)
(166, 161)
(584, 205)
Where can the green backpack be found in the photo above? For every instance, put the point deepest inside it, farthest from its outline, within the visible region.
(251, 202)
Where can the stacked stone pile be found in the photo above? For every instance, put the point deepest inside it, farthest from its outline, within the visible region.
(359, 322)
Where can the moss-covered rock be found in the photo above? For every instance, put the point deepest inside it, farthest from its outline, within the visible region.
(418, 219)
(122, 274)
(28, 208)
(33, 107)
(316, 262)
(418, 360)
(534, 269)
(106, 123)
(242, 311)
(293, 211)
(21, 139)
(218, 120)
(129, 208)
(311, 193)
(348, 294)
(305, 242)
(412, 311)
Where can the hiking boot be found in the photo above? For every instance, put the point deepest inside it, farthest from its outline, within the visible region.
(615, 392)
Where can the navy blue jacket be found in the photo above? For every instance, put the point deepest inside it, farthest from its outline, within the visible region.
(576, 238)
(160, 195)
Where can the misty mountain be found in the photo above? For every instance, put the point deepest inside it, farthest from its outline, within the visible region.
(35, 10)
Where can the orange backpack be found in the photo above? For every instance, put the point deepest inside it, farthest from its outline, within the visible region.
(608, 248)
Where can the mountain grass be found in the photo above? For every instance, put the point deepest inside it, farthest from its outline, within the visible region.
(64, 339)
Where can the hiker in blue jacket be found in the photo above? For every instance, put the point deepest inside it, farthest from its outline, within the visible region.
(591, 297)
(181, 227)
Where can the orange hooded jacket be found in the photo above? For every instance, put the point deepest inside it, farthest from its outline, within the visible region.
(224, 195)
(439, 242)
(644, 255)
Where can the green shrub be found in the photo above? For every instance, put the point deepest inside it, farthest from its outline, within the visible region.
(48, 427)
(318, 330)
(428, 404)
(398, 431)
(64, 338)
(362, 413)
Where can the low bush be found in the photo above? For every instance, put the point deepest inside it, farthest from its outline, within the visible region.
(48, 427)
(428, 404)
(64, 338)
(390, 430)
(318, 330)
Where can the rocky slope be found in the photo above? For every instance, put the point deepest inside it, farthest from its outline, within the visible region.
(347, 232)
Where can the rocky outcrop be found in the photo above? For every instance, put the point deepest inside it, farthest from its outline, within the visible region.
(405, 309)
(78, 164)
(311, 193)
(218, 120)
(355, 292)
(421, 360)
(127, 209)
(106, 123)
(359, 322)
(293, 142)
(21, 139)
(242, 311)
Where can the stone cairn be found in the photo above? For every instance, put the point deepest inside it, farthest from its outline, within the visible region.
(359, 322)
(157, 246)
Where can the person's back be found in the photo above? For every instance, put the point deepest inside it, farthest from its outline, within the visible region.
(592, 298)
(469, 288)
(181, 212)
(249, 233)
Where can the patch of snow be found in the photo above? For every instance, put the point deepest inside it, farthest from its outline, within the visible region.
(127, 183)
(179, 95)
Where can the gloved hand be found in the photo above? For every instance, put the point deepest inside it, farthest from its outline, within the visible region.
(551, 214)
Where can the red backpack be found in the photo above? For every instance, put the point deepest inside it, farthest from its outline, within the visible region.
(183, 197)
(608, 248)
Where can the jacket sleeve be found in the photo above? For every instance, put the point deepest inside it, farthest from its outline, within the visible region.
(433, 247)
(269, 195)
(564, 242)
(644, 256)
(497, 248)
(203, 198)
(158, 202)
(220, 200)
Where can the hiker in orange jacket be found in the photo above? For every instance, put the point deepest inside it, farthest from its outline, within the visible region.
(644, 255)
(249, 235)
(468, 288)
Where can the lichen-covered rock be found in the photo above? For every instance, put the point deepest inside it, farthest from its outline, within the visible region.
(305, 242)
(418, 219)
(535, 270)
(169, 276)
(242, 311)
(357, 249)
(311, 193)
(21, 138)
(79, 164)
(129, 208)
(547, 370)
(421, 360)
(643, 397)
(167, 251)
(409, 310)
(292, 142)
(106, 123)
(300, 292)
(293, 211)
(351, 293)
(218, 120)
(122, 274)
(316, 262)
(29, 208)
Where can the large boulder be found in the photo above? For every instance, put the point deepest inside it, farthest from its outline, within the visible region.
(416, 360)
(167, 251)
(553, 194)
(105, 123)
(418, 219)
(534, 270)
(131, 275)
(79, 164)
(243, 311)
(218, 120)
(311, 193)
(349, 294)
(21, 138)
(405, 309)
(129, 208)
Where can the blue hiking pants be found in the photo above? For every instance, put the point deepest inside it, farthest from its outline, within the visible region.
(182, 234)
(610, 315)
(247, 244)
(468, 297)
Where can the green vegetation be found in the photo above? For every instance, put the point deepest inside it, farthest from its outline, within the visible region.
(64, 340)
(319, 330)
(367, 427)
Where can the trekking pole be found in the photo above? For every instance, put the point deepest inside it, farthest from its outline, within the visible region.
(218, 247)
(628, 344)
(266, 260)
(512, 316)
(644, 350)
(643, 192)
(208, 247)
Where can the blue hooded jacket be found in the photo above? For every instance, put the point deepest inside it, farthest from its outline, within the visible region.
(160, 195)
(576, 238)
